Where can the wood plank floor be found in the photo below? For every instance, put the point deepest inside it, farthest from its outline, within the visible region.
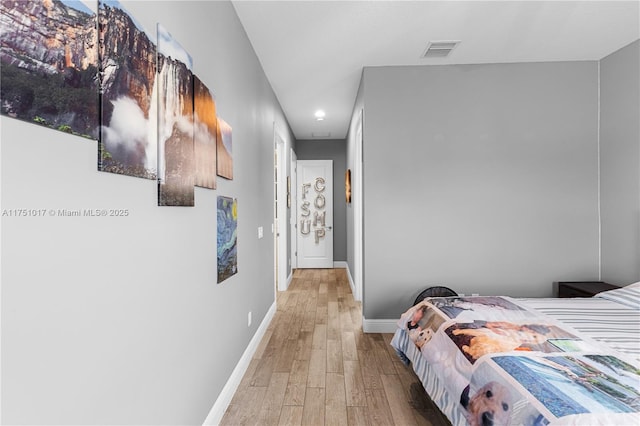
(315, 366)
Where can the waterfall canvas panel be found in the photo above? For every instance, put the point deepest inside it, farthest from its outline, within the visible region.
(205, 131)
(49, 65)
(176, 162)
(225, 157)
(227, 237)
(127, 58)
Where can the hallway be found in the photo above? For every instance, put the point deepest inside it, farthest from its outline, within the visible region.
(315, 366)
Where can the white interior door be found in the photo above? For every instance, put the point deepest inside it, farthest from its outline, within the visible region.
(315, 213)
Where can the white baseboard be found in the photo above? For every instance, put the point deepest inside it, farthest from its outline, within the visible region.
(352, 284)
(286, 283)
(230, 388)
(379, 326)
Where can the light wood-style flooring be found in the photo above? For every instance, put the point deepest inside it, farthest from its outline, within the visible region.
(315, 366)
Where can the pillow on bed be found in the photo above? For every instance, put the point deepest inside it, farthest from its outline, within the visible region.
(628, 295)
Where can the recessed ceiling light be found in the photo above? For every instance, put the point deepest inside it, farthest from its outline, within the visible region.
(320, 115)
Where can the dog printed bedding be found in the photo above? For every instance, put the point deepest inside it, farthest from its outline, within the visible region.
(492, 360)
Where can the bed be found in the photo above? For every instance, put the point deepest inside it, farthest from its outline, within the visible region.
(500, 360)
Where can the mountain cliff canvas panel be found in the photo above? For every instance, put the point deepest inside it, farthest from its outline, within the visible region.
(49, 65)
(227, 237)
(225, 157)
(205, 131)
(176, 165)
(127, 58)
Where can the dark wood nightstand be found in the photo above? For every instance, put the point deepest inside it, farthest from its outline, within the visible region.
(583, 288)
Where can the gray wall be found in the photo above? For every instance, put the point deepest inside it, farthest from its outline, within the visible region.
(620, 165)
(336, 150)
(481, 177)
(119, 320)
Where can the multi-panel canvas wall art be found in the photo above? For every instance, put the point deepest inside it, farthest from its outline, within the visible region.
(49, 65)
(225, 157)
(104, 76)
(227, 237)
(205, 131)
(176, 162)
(127, 53)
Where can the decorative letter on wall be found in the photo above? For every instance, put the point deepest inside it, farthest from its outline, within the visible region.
(305, 209)
(305, 227)
(319, 186)
(305, 190)
(319, 214)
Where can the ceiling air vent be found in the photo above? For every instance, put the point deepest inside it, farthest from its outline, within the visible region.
(322, 135)
(440, 49)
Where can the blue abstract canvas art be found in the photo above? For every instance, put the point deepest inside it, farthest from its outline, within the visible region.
(227, 237)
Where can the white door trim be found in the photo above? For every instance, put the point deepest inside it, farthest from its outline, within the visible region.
(358, 205)
(280, 216)
(293, 196)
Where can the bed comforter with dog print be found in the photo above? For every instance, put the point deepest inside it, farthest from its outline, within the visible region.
(490, 360)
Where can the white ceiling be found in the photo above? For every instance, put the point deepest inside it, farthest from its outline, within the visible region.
(313, 52)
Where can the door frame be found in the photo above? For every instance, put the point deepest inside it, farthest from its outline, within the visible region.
(280, 212)
(358, 206)
(293, 196)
